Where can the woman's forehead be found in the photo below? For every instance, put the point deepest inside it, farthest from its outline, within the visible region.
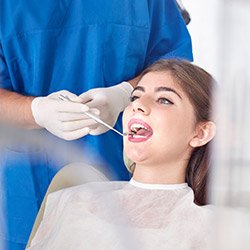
(153, 80)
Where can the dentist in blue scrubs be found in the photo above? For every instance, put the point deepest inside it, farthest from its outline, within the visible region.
(90, 50)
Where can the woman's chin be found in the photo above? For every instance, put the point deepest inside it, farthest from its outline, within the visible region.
(137, 157)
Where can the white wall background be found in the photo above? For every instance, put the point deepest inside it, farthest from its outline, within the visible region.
(204, 28)
(220, 31)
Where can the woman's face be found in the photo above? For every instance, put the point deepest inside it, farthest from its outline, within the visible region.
(163, 116)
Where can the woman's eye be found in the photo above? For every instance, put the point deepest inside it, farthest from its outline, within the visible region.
(163, 100)
(133, 98)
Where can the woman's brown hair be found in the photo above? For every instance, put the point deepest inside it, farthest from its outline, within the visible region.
(198, 85)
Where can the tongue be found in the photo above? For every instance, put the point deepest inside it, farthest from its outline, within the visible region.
(142, 131)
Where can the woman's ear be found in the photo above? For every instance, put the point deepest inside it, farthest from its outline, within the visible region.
(205, 132)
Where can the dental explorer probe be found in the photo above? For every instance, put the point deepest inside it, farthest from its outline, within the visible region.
(66, 98)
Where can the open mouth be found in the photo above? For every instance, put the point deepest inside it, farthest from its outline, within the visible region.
(139, 130)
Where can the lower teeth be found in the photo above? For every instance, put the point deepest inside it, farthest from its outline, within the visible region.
(139, 136)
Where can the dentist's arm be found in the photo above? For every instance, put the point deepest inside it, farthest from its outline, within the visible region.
(133, 82)
(16, 109)
(63, 119)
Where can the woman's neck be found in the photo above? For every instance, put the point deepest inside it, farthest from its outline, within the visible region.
(159, 174)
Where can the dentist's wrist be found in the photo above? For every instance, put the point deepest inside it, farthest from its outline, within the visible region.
(127, 87)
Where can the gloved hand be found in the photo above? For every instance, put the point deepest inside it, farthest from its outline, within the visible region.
(109, 101)
(65, 119)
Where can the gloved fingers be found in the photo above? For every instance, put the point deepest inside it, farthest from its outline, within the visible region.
(99, 130)
(54, 128)
(87, 96)
(71, 96)
(73, 107)
(94, 111)
(65, 116)
(95, 101)
(76, 125)
(73, 135)
(98, 102)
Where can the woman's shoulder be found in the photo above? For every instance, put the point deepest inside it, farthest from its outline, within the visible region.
(193, 213)
(205, 209)
(88, 189)
(201, 216)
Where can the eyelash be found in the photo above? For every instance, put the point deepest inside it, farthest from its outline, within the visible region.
(133, 98)
(165, 100)
(161, 100)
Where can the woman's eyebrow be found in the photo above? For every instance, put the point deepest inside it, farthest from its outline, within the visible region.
(140, 88)
(168, 89)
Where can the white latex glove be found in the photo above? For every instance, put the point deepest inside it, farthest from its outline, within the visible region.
(109, 101)
(64, 119)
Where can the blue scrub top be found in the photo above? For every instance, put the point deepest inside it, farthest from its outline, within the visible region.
(77, 45)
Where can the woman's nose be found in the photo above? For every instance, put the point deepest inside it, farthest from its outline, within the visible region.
(141, 105)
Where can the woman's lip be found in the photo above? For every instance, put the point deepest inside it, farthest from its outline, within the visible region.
(135, 138)
(141, 122)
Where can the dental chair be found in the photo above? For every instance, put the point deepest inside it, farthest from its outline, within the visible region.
(70, 175)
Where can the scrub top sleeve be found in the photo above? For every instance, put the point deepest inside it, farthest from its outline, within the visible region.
(5, 81)
(169, 37)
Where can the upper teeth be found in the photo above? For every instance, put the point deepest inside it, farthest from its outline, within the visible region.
(137, 126)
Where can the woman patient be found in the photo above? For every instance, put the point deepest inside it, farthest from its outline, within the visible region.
(163, 206)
